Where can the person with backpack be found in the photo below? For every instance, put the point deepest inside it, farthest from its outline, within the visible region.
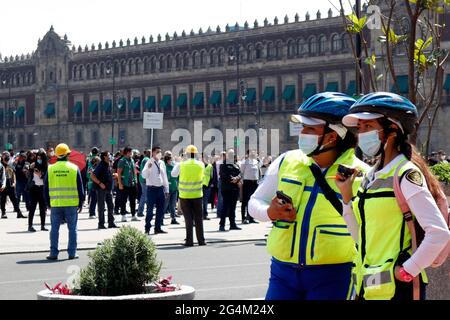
(394, 207)
(311, 247)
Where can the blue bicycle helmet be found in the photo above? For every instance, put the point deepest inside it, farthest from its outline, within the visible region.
(390, 105)
(328, 106)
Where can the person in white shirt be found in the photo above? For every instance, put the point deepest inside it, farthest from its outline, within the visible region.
(250, 171)
(38, 170)
(155, 177)
(386, 247)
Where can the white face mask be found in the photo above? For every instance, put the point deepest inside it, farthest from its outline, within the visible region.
(158, 156)
(52, 154)
(369, 143)
(307, 143)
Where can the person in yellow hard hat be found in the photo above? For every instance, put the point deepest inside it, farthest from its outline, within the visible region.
(63, 189)
(191, 173)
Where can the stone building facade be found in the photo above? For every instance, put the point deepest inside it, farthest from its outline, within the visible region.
(81, 95)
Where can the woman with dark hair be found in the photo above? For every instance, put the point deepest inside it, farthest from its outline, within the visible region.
(38, 170)
(388, 266)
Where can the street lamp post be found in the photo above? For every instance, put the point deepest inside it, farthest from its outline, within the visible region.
(358, 52)
(239, 91)
(8, 107)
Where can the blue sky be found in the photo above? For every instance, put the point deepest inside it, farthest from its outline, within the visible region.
(94, 21)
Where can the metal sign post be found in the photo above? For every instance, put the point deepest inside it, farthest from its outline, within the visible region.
(153, 120)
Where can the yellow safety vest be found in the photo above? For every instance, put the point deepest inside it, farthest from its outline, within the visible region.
(62, 184)
(191, 179)
(383, 235)
(319, 235)
(207, 175)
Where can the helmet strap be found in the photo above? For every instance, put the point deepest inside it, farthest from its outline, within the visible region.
(318, 150)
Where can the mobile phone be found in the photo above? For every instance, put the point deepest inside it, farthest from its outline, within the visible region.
(345, 171)
(284, 197)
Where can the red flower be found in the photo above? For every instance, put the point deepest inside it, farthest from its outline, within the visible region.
(59, 289)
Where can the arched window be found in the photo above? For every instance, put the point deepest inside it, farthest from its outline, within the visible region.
(345, 41)
(312, 45)
(123, 67)
(250, 53)
(301, 46)
(177, 61)
(169, 63)
(74, 73)
(258, 51)
(161, 64)
(137, 63)
(81, 72)
(146, 65)
(94, 70)
(202, 58)
(292, 49)
(335, 43)
(88, 72)
(270, 50)
(212, 57)
(102, 70)
(50, 76)
(185, 60)
(322, 44)
(153, 64)
(116, 67)
(279, 50)
(220, 57)
(194, 59)
(130, 66)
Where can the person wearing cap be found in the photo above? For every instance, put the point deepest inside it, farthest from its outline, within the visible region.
(386, 265)
(311, 247)
(442, 157)
(191, 173)
(64, 195)
(155, 177)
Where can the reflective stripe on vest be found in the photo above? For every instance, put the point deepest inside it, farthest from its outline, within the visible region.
(383, 235)
(62, 184)
(207, 175)
(191, 179)
(319, 235)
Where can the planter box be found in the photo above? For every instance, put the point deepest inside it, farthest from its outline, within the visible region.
(185, 293)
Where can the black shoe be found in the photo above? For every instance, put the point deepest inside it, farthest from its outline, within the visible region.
(187, 244)
(140, 215)
(160, 231)
(245, 221)
(101, 227)
(73, 257)
(147, 232)
(202, 244)
(53, 258)
(235, 228)
(31, 229)
(206, 218)
(254, 221)
(44, 229)
(111, 226)
(222, 229)
(20, 216)
(174, 222)
(4, 216)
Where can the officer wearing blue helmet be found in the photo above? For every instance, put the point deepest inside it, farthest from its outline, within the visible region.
(311, 247)
(391, 262)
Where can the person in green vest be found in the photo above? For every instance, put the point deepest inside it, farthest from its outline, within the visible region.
(191, 173)
(64, 194)
(389, 264)
(171, 200)
(207, 179)
(312, 250)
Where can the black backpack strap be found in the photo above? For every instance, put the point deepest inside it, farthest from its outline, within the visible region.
(328, 192)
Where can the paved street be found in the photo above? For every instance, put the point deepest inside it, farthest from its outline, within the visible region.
(237, 270)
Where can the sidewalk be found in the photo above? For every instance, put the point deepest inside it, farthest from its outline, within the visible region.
(14, 237)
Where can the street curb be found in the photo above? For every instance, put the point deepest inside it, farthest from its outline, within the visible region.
(157, 245)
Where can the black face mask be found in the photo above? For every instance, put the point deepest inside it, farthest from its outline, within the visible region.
(6, 159)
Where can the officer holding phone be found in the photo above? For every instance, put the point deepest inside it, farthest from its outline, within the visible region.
(311, 247)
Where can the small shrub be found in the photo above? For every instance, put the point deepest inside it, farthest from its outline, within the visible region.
(121, 266)
(442, 172)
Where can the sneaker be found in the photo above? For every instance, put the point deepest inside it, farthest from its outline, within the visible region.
(92, 217)
(101, 227)
(174, 222)
(124, 218)
(206, 218)
(134, 218)
(31, 229)
(245, 221)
